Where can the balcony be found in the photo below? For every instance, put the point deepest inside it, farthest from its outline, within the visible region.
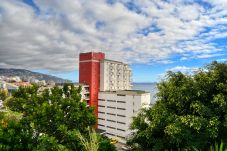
(86, 97)
(86, 86)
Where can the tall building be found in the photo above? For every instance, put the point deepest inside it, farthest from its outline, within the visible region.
(114, 76)
(109, 86)
(89, 74)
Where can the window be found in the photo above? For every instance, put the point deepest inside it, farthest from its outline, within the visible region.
(120, 136)
(101, 119)
(111, 107)
(121, 102)
(111, 121)
(111, 127)
(111, 114)
(121, 122)
(101, 99)
(120, 129)
(101, 125)
(121, 95)
(119, 108)
(110, 134)
(101, 106)
(120, 115)
(111, 100)
(101, 112)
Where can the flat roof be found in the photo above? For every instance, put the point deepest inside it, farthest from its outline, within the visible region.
(112, 61)
(127, 92)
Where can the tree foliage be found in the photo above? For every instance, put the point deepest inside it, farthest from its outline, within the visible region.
(3, 94)
(50, 120)
(105, 144)
(190, 113)
(91, 143)
(15, 133)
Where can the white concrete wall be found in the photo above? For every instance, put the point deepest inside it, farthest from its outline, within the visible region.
(114, 76)
(103, 79)
(84, 92)
(116, 112)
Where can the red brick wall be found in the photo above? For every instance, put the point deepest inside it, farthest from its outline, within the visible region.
(89, 73)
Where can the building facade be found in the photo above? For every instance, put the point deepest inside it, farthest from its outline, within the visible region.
(89, 74)
(107, 87)
(114, 76)
(85, 94)
(9, 87)
(116, 110)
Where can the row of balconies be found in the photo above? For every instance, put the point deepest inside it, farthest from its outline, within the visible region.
(115, 72)
(114, 68)
(118, 75)
(118, 81)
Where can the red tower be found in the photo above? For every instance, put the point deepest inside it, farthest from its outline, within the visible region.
(89, 74)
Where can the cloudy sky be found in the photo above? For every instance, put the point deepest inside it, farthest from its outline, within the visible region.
(154, 36)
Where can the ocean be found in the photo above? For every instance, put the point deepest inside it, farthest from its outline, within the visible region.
(149, 87)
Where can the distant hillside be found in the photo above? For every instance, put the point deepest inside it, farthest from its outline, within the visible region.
(26, 74)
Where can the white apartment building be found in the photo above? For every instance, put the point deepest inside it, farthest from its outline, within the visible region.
(84, 92)
(114, 75)
(116, 109)
(8, 86)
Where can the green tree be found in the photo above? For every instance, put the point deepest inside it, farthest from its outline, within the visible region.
(95, 142)
(3, 94)
(190, 113)
(91, 143)
(55, 116)
(15, 133)
(105, 144)
(47, 143)
(50, 120)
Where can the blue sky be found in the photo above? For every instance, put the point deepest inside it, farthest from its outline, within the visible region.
(152, 36)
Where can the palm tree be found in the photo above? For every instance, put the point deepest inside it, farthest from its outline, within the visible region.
(92, 142)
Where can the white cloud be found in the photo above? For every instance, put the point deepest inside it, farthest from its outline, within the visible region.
(222, 60)
(209, 55)
(52, 38)
(183, 69)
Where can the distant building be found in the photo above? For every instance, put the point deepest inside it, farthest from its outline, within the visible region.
(23, 84)
(41, 83)
(2, 85)
(116, 110)
(114, 76)
(15, 79)
(9, 87)
(10, 79)
(51, 83)
(33, 80)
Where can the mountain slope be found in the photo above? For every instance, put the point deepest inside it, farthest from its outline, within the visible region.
(26, 74)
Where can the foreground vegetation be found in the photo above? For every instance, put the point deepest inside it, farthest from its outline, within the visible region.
(190, 113)
(53, 120)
